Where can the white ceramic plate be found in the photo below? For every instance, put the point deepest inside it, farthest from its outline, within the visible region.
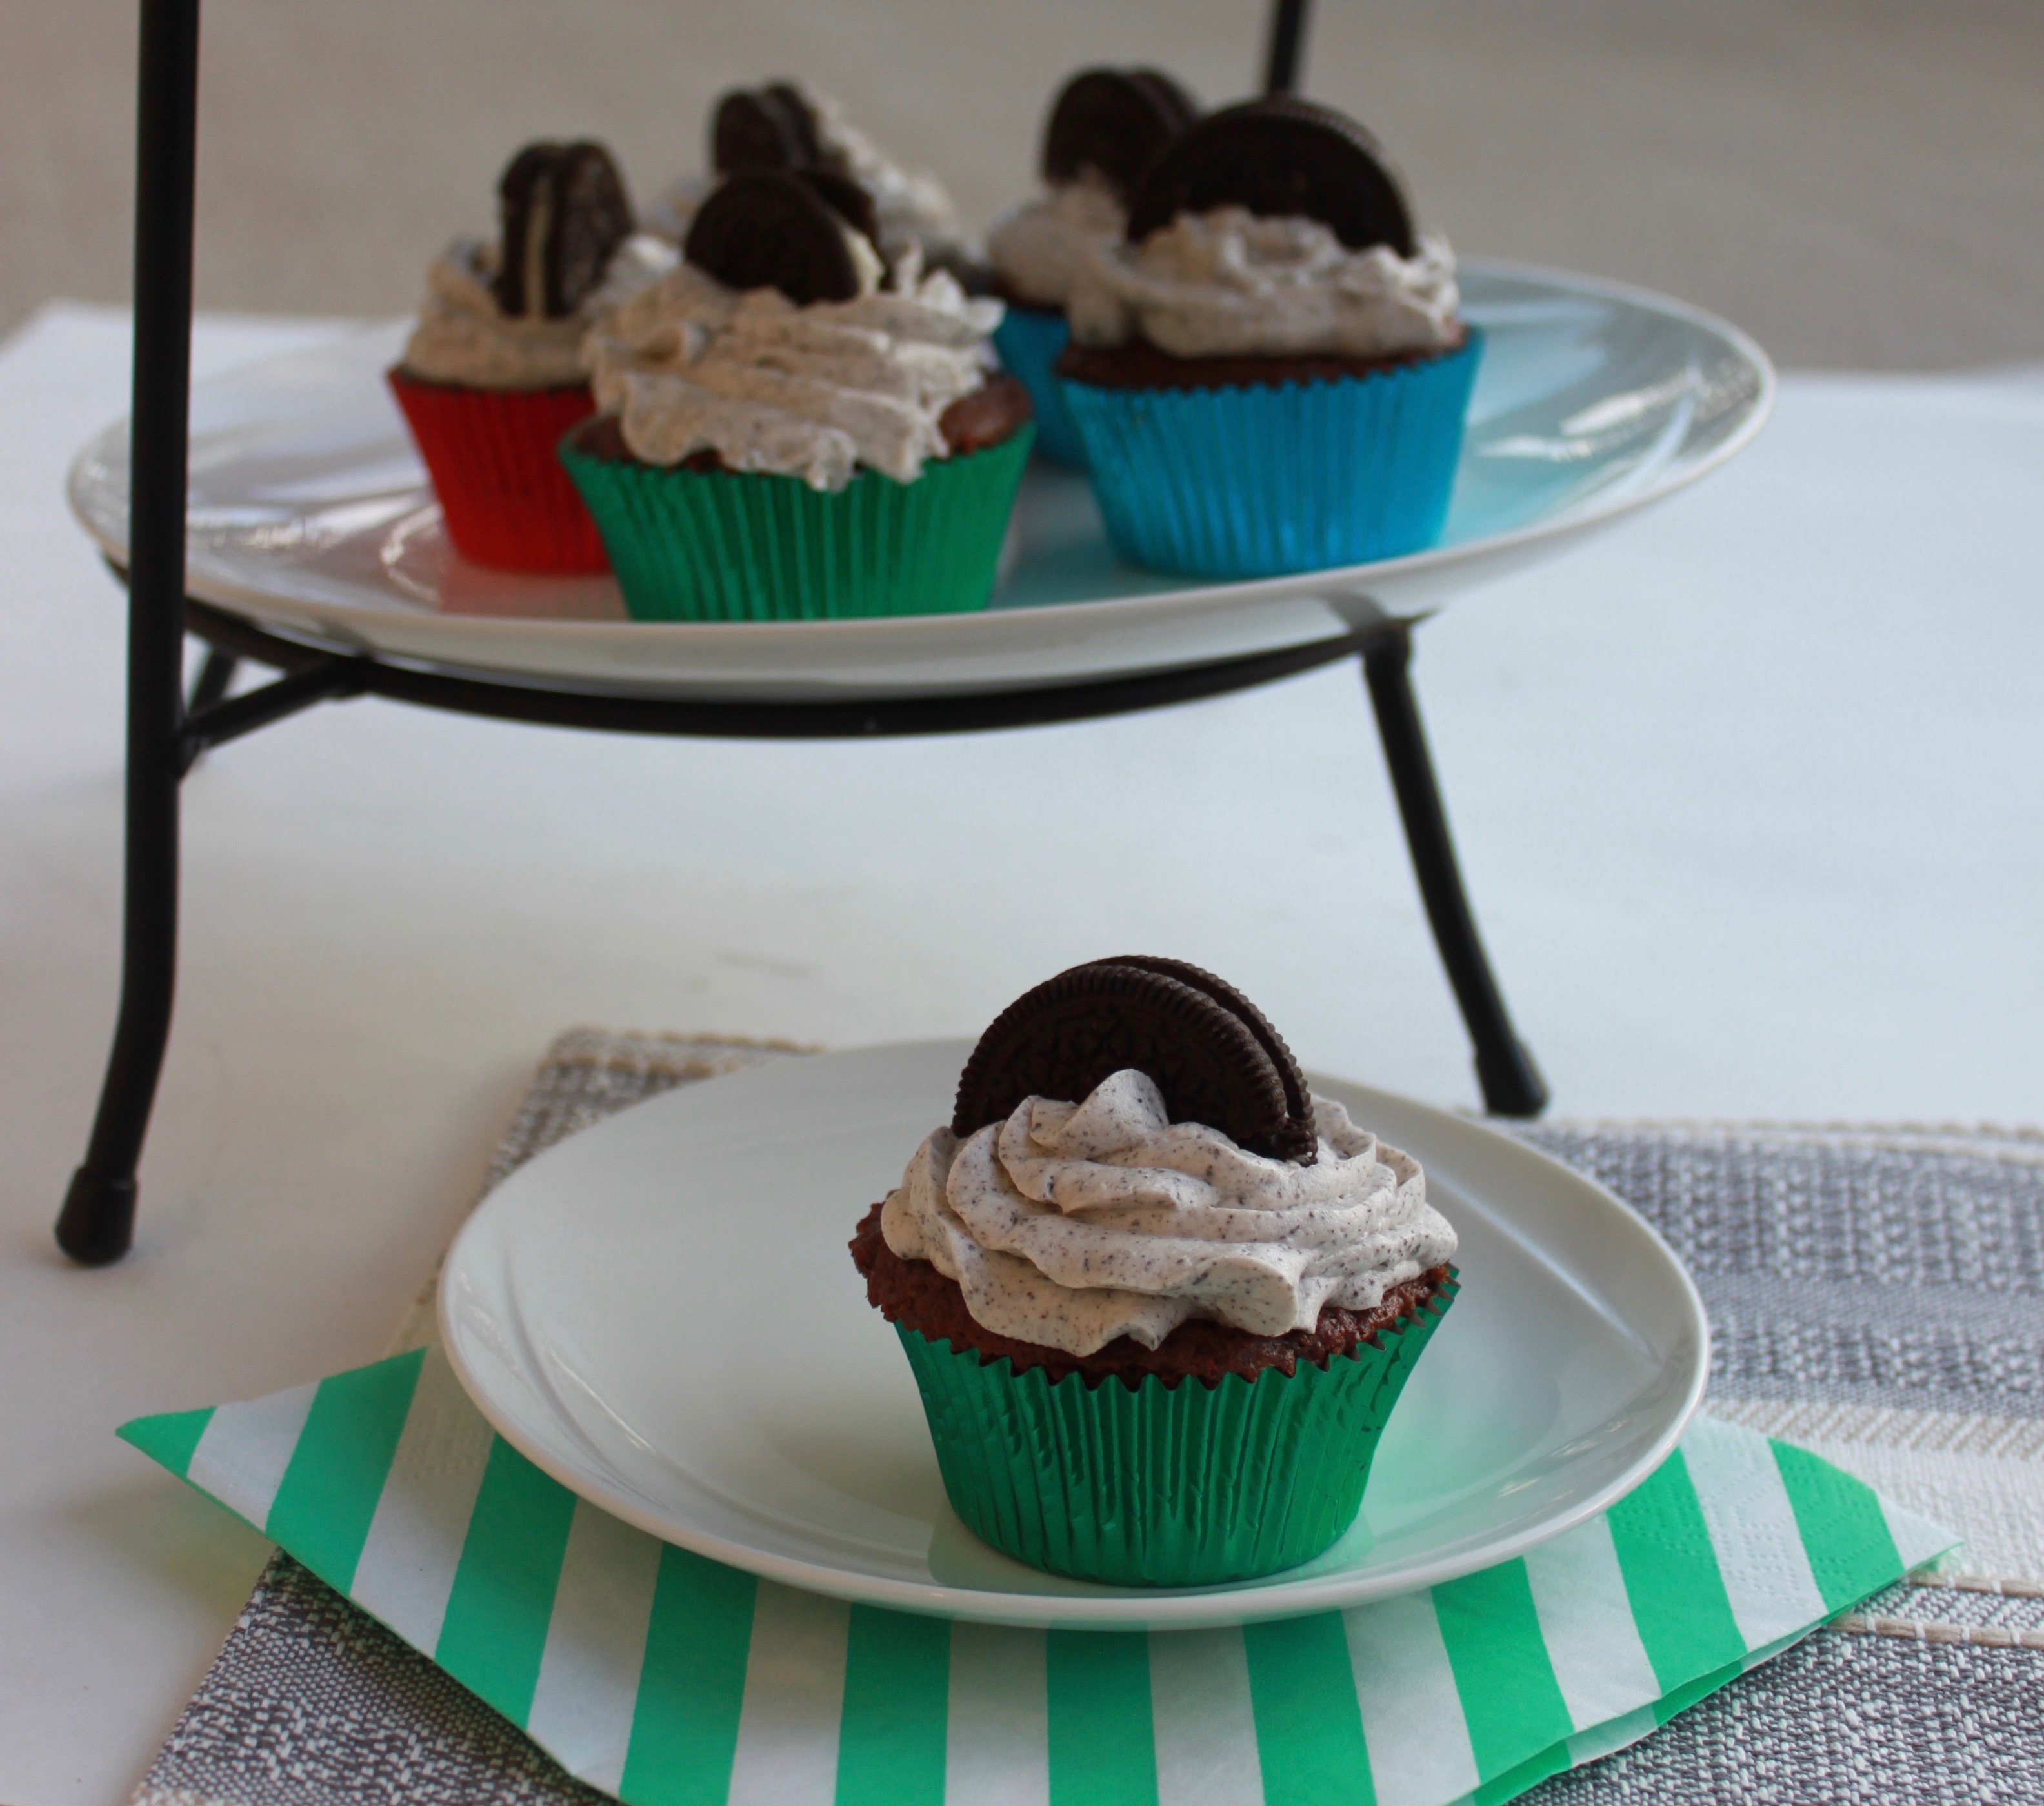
(662, 1313)
(310, 510)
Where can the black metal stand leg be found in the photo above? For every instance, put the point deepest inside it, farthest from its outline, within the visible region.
(1512, 1084)
(98, 1221)
(215, 677)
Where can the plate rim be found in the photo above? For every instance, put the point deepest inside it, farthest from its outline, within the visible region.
(869, 636)
(1122, 1609)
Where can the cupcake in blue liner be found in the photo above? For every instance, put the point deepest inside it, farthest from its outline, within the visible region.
(1269, 370)
(1105, 128)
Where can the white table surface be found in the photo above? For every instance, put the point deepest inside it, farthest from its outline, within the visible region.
(1750, 794)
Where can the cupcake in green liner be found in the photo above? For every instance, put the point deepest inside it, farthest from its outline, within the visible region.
(795, 430)
(1270, 370)
(1159, 1299)
(1105, 127)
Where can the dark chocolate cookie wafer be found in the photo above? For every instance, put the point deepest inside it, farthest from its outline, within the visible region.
(852, 202)
(1212, 1054)
(1280, 156)
(1297, 1140)
(767, 128)
(1113, 121)
(564, 213)
(768, 228)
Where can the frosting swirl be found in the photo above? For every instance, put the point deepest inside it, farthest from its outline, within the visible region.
(1229, 283)
(912, 204)
(1069, 1225)
(1040, 246)
(463, 335)
(811, 392)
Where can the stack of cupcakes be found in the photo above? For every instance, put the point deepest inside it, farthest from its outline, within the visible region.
(1232, 321)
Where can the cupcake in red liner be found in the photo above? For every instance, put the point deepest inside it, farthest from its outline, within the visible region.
(1106, 125)
(492, 375)
(793, 430)
(1159, 1299)
(1269, 371)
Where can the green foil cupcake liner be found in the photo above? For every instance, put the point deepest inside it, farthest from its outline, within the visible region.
(1185, 1485)
(724, 545)
(1263, 479)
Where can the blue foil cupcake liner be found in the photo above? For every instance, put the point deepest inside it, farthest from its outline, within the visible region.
(1265, 478)
(1029, 340)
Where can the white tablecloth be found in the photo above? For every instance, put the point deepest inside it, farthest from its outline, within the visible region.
(1749, 793)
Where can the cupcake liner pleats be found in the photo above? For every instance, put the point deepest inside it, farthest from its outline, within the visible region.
(724, 545)
(1185, 1485)
(505, 500)
(1261, 479)
(1029, 341)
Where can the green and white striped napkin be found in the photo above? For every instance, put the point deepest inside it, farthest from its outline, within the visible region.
(670, 1679)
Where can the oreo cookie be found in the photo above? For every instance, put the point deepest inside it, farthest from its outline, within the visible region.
(1213, 1055)
(563, 213)
(1113, 121)
(1280, 156)
(774, 228)
(852, 202)
(772, 127)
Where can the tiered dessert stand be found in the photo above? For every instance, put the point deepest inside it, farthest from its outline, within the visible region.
(308, 542)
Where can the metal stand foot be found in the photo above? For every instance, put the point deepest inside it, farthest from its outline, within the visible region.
(1510, 1082)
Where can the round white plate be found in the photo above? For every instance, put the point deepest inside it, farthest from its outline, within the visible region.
(310, 510)
(662, 1314)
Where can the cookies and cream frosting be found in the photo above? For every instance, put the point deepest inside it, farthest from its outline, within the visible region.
(1040, 246)
(1069, 1224)
(911, 205)
(813, 392)
(1229, 283)
(463, 335)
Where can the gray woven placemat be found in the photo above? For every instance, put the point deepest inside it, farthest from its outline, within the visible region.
(1878, 1295)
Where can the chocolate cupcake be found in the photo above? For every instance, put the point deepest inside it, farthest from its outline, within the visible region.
(492, 376)
(1270, 370)
(1159, 1298)
(1105, 127)
(793, 430)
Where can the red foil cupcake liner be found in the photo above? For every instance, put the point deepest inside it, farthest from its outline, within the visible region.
(507, 502)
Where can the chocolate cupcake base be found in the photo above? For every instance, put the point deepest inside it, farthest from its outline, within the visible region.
(1151, 1482)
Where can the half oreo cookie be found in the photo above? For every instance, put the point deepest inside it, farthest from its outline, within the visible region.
(775, 228)
(1113, 121)
(772, 127)
(1213, 1055)
(564, 212)
(1279, 156)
